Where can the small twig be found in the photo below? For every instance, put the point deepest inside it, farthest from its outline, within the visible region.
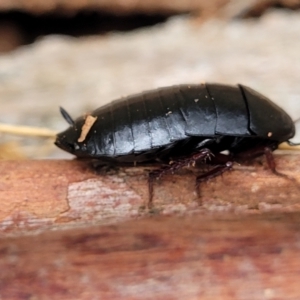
(27, 130)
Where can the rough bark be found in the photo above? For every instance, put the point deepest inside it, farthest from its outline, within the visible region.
(66, 233)
(39, 194)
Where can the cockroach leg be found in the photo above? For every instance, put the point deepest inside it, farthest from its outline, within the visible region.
(272, 165)
(268, 152)
(202, 155)
(216, 171)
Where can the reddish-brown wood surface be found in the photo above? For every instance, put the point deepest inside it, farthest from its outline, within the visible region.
(195, 257)
(45, 194)
(69, 232)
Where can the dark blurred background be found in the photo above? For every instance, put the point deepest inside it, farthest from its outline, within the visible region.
(81, 54)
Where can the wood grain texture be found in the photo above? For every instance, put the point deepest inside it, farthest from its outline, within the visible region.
(37, 195)
(194, 257)
(66, 233)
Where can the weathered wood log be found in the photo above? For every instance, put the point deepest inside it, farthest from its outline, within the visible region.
(36, 195)
(194, 257)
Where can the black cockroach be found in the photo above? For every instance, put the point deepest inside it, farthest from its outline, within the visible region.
(180, 125)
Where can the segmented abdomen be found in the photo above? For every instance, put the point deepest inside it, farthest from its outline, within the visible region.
(160, 117)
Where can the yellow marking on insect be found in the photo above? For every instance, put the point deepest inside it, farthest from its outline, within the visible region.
(88, 123)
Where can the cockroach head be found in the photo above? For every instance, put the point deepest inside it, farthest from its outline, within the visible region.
(75, 139)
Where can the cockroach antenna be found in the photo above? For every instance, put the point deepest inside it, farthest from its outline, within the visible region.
(66, 116)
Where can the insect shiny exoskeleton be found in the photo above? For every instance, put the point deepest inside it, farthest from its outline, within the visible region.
(182, 124)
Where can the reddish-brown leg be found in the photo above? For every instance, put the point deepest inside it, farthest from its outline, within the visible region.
(202, 155)
(271, 161)
(216, 171)
(225, 164)
(263, 150)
